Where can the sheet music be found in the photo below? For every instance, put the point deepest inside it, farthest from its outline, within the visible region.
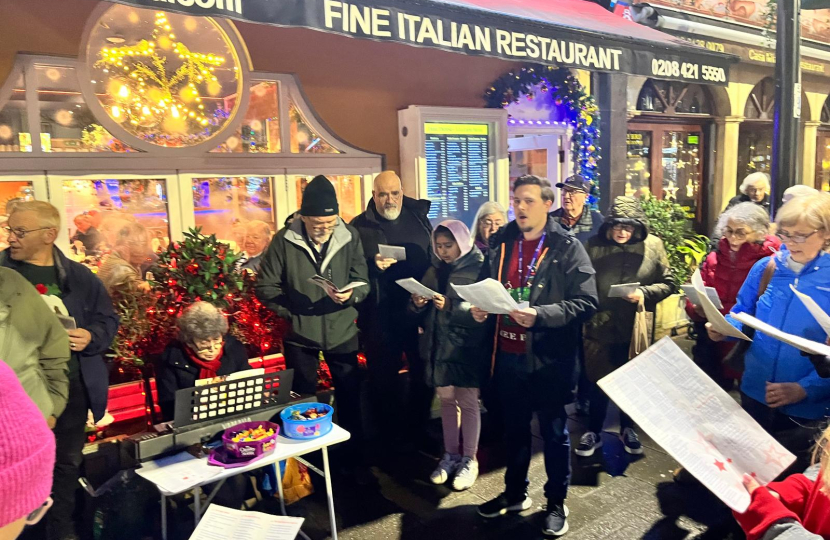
(719, 322)
(621, 290)
(413, 286)
(814, 309)
(220, 523)
(691, 294)
(800, 343)
(696, 421)
(392, 252)
(489, 295)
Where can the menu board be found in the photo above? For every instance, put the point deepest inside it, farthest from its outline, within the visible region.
(458, 175)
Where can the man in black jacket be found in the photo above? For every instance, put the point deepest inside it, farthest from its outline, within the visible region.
(319, 243)
(537, 346)
(33, 228)
(386, 330)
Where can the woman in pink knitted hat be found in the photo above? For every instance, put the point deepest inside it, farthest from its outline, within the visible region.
(27, 457)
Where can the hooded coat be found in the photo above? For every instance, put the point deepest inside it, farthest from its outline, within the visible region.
(452, 342)
(642, 259)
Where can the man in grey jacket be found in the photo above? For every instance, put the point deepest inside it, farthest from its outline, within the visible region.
(319, 243)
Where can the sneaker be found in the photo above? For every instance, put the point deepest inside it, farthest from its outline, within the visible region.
(466, 474)
(502, 505)
(556, 520)
(588, 443)
(631, 441)
(446, 467)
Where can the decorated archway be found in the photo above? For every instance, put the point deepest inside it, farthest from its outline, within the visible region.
(561, 89)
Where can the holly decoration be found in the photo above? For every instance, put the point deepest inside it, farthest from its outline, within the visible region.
(560, 88)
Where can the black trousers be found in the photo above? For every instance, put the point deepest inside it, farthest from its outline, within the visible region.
(346, 377)
(69, 442)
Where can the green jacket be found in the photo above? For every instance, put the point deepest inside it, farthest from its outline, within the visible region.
(282, 284)
(33, 343)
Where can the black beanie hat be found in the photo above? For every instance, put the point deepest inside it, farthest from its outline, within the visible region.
(319, 198)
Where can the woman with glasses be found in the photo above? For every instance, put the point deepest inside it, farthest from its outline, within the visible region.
(780, 388)
(203, 350)
(489, 219)
(623, 252)
(742, 236)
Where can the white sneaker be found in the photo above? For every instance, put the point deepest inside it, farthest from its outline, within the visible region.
(466, 474)
(446, 467)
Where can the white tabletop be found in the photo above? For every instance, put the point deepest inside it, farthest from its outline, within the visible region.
(188, 466)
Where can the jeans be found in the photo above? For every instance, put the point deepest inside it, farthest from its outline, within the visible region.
(69, 445)
(599, 408)
(455, 399)
(521, 394)
(346, 377)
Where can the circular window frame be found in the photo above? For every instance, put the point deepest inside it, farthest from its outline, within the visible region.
(241, 57)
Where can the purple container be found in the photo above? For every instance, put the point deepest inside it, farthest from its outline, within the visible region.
(250, 449)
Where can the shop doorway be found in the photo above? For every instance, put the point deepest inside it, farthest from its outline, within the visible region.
(546, 155)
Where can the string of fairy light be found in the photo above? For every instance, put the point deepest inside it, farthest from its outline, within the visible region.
(142, 91)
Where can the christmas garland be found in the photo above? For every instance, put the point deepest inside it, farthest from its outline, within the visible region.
(562, 89)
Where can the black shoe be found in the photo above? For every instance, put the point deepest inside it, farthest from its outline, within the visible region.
(556, 520)
(583, 407)
(502, 505)
(631, 442)
(588, 443)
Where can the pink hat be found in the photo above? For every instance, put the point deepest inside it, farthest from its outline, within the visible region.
(460, 232)
(27, 451)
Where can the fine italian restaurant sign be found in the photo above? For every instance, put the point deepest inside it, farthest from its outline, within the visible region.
(464, 29)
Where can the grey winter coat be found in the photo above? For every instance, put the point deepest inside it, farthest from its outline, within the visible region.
(452, 342)
(316, 320)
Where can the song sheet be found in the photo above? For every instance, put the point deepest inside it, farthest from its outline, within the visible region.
(691, 294)
(413, 286)
(800, 343)
(179, 472)
(815, 310)
(718, 321)
(489, 295)
(622, 290)
(327, 285)
(392, 252)
(220, 523)
(696, 421)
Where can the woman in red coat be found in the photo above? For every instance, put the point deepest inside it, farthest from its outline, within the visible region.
(744, 240)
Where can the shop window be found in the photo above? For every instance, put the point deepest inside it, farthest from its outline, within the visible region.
(260, 130)
(14, 121)
(166, 78)
(112, 203)
(349, 193)
(823, 160)
(11, 192)
(674, 98)
(224, 206)
(761, 101)
(754, 148)
(304, 138)
(66, 123)
(638, 163)
(825, 111)
(681, 168)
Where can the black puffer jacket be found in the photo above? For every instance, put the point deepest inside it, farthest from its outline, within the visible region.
(452, 342)
(642, 259)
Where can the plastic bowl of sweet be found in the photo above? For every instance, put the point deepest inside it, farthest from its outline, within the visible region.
(306, 420)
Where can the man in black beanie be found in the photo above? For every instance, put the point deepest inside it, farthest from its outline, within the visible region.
(319, 243)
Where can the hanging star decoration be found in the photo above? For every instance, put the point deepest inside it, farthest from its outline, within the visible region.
(559, 88)
(146, 93)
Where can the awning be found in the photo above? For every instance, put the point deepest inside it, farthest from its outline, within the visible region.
(573, 33)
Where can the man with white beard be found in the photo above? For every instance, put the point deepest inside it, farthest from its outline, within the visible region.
(387, 333)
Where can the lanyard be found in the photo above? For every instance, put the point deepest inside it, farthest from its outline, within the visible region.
(523, 279)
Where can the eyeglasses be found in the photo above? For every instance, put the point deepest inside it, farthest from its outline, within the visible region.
(751, 190)
(21, 233)
(489, 223)
(208, 346)
(619, 228)
(740, 234)
(572, 192)
(36, 515)
(795, 238)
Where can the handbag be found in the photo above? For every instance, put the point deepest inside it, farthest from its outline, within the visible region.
(735, 358)
(641, 334)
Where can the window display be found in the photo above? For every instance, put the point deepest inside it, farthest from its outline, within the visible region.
(101, 208)
(349, 193)
(260, 130)
(754, 148)
(11, 192)
(224, 206)
(14, 122)
(638, 163)
(164, 77)
(304, 139)
(681, 169)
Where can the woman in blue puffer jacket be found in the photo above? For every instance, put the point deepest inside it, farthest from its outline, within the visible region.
(780, 388)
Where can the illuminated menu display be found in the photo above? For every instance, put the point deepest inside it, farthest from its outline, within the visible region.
(458, 177)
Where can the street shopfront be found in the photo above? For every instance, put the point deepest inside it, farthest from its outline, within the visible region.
(190, 114)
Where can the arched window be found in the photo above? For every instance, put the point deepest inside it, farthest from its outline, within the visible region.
(674, 98)
(761, 101)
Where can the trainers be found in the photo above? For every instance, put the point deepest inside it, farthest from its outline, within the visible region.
(556, 520)
(502, 505)
(631, 441)
(588, 443)
(466, 474)
(446, 467)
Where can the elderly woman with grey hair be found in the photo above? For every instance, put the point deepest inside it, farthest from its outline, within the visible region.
(203, 350)
(755, 189)
(489, 219)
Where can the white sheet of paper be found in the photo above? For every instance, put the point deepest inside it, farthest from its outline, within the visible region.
(814, 309)
(392, 252)
(719, 323)
(621, 290)
(180, 472)
(220, 523)
(489, 295)
(696, 421)
(800, 343)
(413, 286)
(691, 294)
(327, 285)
